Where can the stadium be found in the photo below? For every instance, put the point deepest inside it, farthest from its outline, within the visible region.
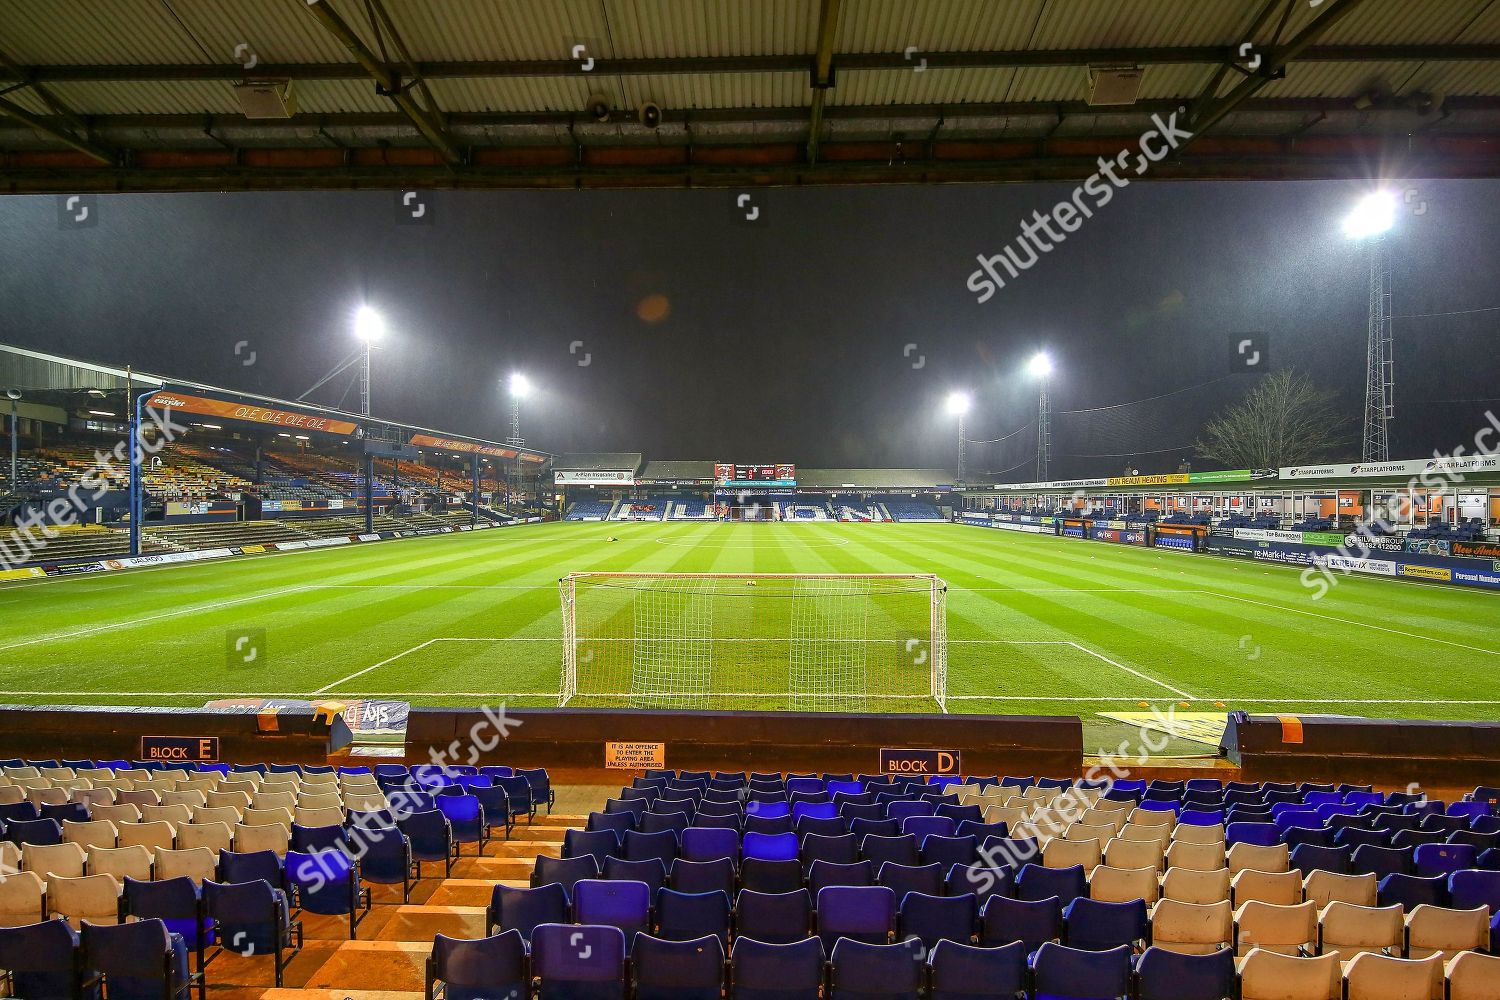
(816, 500)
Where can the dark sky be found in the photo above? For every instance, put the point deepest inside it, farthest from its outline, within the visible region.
(784, 341)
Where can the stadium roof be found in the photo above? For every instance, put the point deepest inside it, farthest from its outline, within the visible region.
(146, 95)
(659, 471)
(615, 461)
(53, 378)
(822, 479)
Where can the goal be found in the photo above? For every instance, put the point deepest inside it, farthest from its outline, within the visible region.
(755, 641)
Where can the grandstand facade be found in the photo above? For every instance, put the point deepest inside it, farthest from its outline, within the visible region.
(229, 474)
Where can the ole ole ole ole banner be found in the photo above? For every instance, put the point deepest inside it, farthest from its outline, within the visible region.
(247, 412)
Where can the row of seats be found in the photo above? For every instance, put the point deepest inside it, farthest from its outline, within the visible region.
(913, 905)
(595, 961)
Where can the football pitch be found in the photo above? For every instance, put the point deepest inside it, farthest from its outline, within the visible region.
(1036, 625)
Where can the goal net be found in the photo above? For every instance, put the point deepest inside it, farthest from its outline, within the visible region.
(765, 641)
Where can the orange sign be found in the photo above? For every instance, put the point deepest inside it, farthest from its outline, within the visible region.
(246, 412)
(469, 447)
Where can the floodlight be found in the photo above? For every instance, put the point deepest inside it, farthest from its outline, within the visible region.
(520, 385)
(1372, 215)
(1040, 366)
(12, 393)
(958, 403)
(368, 324)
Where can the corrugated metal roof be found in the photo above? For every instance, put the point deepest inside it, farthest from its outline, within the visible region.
(936, 25)
(223, 35)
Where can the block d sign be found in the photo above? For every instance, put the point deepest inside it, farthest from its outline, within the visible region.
(184, 749)
(921, 762)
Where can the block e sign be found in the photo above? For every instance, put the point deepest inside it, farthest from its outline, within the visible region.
(184, 749)
(922, 763)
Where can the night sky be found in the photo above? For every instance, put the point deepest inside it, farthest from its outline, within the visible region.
(779, 341)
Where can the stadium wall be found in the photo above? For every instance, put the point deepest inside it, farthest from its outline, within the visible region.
(765, 741)
(88, 732)
(1387, 752)
(1334, 551)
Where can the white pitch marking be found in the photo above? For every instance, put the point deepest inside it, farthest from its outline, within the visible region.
(151, 618)
(1132, 671)
(391, 659)
(1350, 621)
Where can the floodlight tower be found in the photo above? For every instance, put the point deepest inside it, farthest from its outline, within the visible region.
(958, 406)
(1040, 368)
(368, 327)
(520, 388)
(14, 395)
(1369, 221)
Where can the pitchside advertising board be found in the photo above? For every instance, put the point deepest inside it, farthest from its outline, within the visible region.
(735, 476)
(1467, 572)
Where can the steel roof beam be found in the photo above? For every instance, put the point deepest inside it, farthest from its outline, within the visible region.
(388, 81)
(710, 65)
(1270, 68)
(822, 74)
(85, 146)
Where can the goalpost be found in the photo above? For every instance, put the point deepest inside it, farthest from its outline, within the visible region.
(802, 642)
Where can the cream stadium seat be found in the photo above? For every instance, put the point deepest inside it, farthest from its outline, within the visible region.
(1281, 888)
(211, 836)
(175, 815)
(21, 899)
(121, 862)
(275, 800)
(1438, 930)
(1268, 975)
(259, 817)
(1199, 857)
(1188, 885)
(1121, 885)
(1192, 928)
(228, 799)
(151, 836)
(326, 816)
(1275, 858)
(228, 815)
(196, 863)
(1473, 976)
(117, 814)
(47, 860)
(95, 898)
(1188, 833)
(1289, 930)
(1061, 853)
(262, 837)
(1322, 888)
(1120, 853)
(93, 833)
(1353, 930)
(1378, 977)
(193, 798)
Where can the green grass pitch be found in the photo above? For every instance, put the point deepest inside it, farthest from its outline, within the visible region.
(1035, 624)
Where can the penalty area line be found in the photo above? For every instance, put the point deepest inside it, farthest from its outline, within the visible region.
(1132, 671)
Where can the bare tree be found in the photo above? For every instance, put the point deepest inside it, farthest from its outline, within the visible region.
(1286, 420)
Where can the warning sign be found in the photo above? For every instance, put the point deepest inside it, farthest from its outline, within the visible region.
(635, 756)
